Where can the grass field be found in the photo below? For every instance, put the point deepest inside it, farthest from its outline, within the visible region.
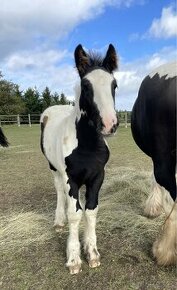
(32, 255)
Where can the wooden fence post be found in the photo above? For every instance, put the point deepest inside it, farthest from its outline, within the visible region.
(125, 119)
(18, 120)
(29, 120)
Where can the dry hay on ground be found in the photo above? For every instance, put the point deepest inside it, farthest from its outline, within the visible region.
(121, 207)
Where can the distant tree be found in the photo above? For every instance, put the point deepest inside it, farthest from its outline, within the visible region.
(55, 99)
(46, 98)
(32, 101)
(10, 98)
(63, 99)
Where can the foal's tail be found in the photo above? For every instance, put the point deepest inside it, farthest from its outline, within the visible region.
(3, 139)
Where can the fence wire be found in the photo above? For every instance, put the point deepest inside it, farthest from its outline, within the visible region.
(124, 118)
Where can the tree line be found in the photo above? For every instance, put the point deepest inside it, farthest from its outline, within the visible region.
(14, 101)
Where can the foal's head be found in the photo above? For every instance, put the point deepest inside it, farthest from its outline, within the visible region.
(98, 86)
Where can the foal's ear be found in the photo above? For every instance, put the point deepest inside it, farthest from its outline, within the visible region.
(110, 60)
(81, 60)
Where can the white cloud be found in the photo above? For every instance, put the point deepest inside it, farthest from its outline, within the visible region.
(41, 69)
(128, 83)
(24, 24)
(166, 25)
(131, 75)
(48, 68)
(35, 59)
(29, 31)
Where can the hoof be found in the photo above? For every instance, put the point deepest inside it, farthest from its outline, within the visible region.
(94, 263)
(75, 269)
(59, 228)
(165, 247)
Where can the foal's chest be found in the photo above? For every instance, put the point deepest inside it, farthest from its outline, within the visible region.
(82, 165)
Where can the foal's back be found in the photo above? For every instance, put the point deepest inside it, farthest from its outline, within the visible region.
(56, 113)
(56, 125)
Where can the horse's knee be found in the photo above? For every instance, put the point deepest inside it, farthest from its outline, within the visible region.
(161, 175)
(165, 177)
(91, 204)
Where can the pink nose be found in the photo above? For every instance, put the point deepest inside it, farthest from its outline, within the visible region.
(110, 124)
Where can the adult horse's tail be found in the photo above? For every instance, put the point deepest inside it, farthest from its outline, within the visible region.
(3, 139)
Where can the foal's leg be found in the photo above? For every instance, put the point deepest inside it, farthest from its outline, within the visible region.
(91, 209)
(60, 215)
(74, 213)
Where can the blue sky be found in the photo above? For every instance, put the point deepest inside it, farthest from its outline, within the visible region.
(38, 38)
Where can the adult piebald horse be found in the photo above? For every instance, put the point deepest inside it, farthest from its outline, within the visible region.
(72, 141)
(3, 139)
(154, 130)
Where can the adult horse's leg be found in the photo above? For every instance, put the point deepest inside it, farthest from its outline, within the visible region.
(60, 214)
(91, 209)
(165, 248)
(153, 205)
(74, 214)
(157, 200)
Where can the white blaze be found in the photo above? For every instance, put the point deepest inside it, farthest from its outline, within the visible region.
(101, 82)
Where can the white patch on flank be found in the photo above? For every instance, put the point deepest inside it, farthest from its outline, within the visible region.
(103, 97)
(59, 127)
(169, 69)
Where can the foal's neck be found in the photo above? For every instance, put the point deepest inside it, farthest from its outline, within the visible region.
(88, 133)
(89, 137)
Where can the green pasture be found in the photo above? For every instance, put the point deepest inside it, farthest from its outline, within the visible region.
(32, 255)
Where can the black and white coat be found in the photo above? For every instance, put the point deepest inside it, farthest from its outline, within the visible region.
(72, 141)
(154, 130)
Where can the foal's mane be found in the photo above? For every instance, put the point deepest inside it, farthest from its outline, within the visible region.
(95, 59)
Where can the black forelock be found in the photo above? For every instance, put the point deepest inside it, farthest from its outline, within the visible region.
(95, 59)
(95, 62)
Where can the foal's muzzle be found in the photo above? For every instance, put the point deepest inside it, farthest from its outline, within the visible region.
(114, 128)
(111, 131)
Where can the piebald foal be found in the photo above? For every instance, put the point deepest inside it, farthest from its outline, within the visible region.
(72, 141)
